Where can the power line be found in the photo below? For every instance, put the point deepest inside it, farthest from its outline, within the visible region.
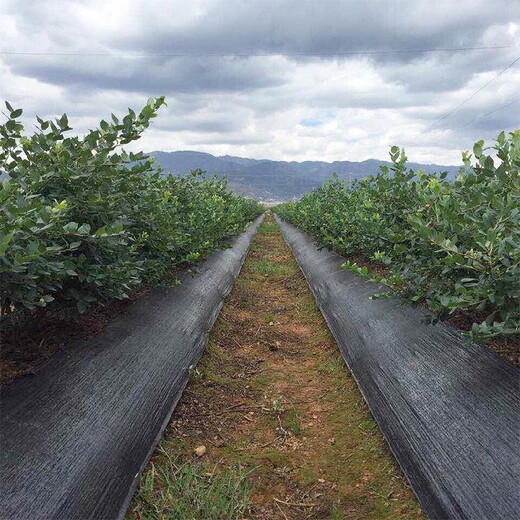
(488, 113)
(442, 118)
(250, 54)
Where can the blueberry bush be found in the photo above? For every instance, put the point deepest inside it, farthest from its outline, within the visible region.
(454, 245)
(82, 221)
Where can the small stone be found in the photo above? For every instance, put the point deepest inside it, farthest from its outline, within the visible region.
(200, 450)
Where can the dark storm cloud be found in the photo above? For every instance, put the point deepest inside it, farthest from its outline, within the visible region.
(265, 27)
(442, 73)
(159, 76)
(330, 27)
(505, 114)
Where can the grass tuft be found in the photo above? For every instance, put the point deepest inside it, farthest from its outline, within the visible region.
(292, 421)
(268, 227)
(267, 267)
(190, 491)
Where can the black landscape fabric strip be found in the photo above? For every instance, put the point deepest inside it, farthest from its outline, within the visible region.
(449, 410)
(76, 435)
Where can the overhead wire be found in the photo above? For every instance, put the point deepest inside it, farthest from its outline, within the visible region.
(470, 97)
(251, 54)
(487, 114)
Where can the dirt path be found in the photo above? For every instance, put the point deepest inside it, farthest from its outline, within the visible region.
(272, 396)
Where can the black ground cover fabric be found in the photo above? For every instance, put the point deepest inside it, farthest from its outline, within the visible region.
(449, 410)
(76, 435)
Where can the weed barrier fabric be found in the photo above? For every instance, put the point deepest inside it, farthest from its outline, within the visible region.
(449, 410)
(76, 436)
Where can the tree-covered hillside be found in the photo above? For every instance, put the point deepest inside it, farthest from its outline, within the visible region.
(277, 180)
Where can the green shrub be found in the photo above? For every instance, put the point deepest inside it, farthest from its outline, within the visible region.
(82, 221)
(454, 245)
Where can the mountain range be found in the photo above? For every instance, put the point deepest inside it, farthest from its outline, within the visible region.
(270, 180)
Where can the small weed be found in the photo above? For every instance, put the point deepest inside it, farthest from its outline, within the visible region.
(192, 490)
(336, 513)
(292, 422)
(276, 405)
(267, 267)
(193, 372)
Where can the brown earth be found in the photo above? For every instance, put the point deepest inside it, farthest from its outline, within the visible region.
(46, 332)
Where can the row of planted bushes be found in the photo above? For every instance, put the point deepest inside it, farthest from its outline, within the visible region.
(83, 222)
(452, 244)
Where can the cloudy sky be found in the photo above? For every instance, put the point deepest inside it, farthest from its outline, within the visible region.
(279, 79)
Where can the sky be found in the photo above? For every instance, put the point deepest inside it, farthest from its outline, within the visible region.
(278, 79)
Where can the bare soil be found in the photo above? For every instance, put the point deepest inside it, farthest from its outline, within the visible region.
(47, 332)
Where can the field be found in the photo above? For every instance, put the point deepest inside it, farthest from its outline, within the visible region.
(280, 419)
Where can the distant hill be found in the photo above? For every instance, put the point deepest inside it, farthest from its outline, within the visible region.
(276, 180)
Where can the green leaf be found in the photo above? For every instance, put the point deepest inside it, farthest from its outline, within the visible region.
(63, 122)
(84, 229)
(71, 227)
(81, 306)
(5, 241)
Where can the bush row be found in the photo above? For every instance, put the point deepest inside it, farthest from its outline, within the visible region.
(454, 245)
(83, 222)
